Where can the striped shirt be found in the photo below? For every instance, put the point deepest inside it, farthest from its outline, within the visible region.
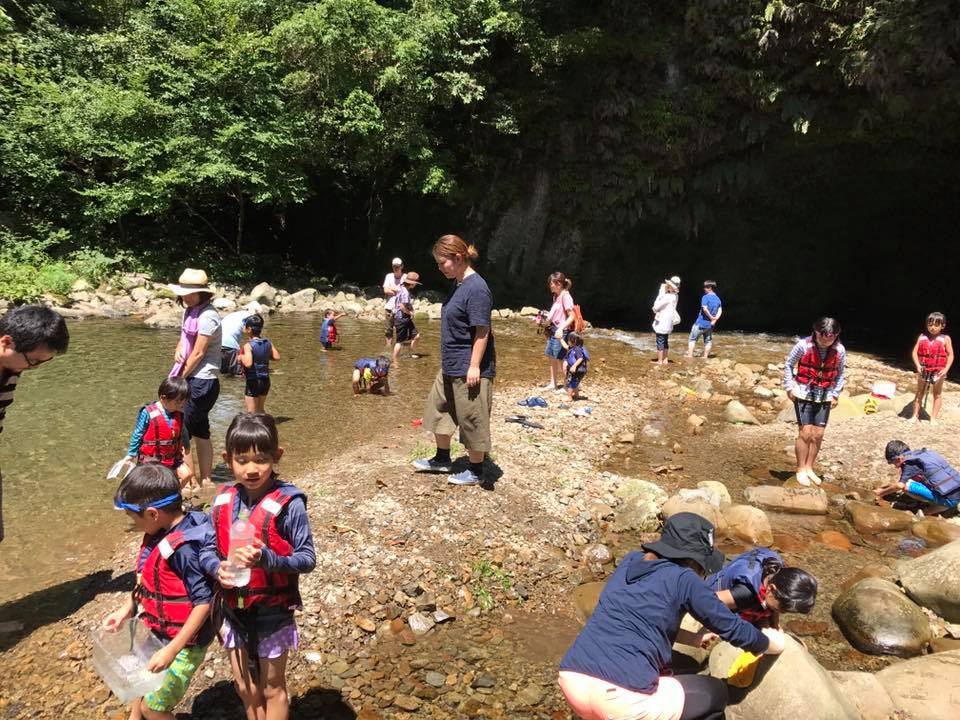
(8, 383)
(810, 392)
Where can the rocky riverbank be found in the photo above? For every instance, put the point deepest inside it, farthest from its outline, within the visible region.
(432, 601)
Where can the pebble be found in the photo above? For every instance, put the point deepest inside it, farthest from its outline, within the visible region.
(436, 679)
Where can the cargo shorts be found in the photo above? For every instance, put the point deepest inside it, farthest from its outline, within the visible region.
(452, 404)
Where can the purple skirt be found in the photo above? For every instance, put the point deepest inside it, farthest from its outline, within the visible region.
(269, 646)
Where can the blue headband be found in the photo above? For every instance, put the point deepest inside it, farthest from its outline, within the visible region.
(162, 502)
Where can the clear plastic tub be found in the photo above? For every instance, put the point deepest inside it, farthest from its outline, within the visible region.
(120, 659)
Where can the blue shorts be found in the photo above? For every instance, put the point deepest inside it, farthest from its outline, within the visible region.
(326, 344)
(574, 380)
(554, 349)
(663, 341)
(812, 413)
(707, 332)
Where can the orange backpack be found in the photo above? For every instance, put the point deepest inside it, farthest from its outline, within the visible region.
(579, 324)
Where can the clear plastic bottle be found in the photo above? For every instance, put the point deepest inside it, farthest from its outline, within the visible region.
(242, 534)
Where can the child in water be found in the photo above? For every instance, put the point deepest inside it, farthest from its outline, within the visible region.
(933, 357)
(403, 316)
(372, 375)
(160, 435)
(328, 329)
(259, 629)
(172, 592)
(574, 364)
(255, 359)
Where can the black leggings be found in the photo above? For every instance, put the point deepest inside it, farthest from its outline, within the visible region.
(704, 697)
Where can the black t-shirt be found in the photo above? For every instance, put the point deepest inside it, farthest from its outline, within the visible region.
(468, 307)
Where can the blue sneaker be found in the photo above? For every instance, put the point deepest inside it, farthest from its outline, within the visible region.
(431, 465)
(466, 477)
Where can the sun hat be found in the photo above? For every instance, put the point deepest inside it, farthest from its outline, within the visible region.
(687, 535)
(673, 282)
(412, 278)
(397, 261)
(191, 281)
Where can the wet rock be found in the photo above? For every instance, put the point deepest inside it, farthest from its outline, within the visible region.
(806, 628)
(931, 580)
(530, 695)
(869, 519)
(697, 505)
(805, 501)
(834, 539)
(935, 531)
(911, 546)
(790, 685)
(866, 694)
(917, 686)
(718, 489)
(599, 554)
(878, 619)
(748, 524)
(874, 570)
(640, 503)
(585, 598)
(944, 644)
(736, 412)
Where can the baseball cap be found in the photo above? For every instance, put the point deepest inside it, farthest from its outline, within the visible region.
(397, 261)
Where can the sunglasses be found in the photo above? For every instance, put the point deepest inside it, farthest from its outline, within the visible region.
(162, 502)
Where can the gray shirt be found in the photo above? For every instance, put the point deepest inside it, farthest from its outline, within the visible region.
(208, 324)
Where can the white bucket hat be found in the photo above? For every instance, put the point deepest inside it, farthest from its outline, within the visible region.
(191, 281)
(673, 282)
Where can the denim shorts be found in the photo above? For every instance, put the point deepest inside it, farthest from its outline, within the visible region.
(707, 332)
(812, 413)
(554, 349)
(196, 413)
(663, 341)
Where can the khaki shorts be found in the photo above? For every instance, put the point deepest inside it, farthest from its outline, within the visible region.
(451, 404)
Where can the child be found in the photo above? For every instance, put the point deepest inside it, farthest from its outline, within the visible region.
(933, 357)
(710, 311)
(259, 629)
(403, 316)
(160, 435)
(925, 476)
(820, 360)
(172, 590)
(575, 364)
(328, 329)
(665, 316)
(758, 587)
(371, 374)
(255, 358)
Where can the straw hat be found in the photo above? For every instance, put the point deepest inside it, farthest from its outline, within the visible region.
(191, 281)
(673, 282)
(412, 278)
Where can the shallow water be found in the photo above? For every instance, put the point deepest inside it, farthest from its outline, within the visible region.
(71, 420)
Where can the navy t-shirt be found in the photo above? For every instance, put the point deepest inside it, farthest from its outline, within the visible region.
(468, 307)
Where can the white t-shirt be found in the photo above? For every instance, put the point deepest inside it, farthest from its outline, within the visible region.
(391, 281)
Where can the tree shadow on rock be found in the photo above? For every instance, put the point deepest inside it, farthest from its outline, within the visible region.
(221, 701)
(54, 603)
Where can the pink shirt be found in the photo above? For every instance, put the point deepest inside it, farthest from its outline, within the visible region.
(562, 305)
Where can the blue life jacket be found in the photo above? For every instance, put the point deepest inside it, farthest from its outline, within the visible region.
(365, 363)
(574, 354)
(744, 569)
(931, 469)
(262, 351)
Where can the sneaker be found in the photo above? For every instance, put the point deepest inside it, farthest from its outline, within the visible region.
(432, 465)
(466, 477)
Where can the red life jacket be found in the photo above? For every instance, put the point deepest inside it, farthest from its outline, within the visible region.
(160, 592)
(332, 333)
(163, 441)
(814, 372)
(932, 352)
(269, 589)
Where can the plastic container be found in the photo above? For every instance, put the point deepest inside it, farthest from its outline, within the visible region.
(884, 389)
(121, 468)
(120, 659)
(242, 534)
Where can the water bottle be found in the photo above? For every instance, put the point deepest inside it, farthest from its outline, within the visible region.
(242, 534)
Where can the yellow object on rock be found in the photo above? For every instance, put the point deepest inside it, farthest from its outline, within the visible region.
(870, 406)
(743, 669)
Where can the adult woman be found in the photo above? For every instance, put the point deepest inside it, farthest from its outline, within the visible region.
(665, 316)
(559, 324)
(197, 358)
(619, 665)
(462, 394)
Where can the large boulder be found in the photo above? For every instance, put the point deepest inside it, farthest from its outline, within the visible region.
(299, 301)
(805, 501)
(694, 504)
(736, 412)
(932, 580)
(640, 503)
(264, 293)
(925, 688)
(878, 619)
(866, 694)
(748, 524)
(936, 531)
(870, 519)
(718, 489)
(790, 685)
(165, 317)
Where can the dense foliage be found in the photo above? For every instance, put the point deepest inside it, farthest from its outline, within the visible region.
(245, 126)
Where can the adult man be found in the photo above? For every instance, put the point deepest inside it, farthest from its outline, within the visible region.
(30, 335)
(231, 330)
(391, 283)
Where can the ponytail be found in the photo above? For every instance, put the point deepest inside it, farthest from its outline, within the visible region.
(450, 246)
(558, 277)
